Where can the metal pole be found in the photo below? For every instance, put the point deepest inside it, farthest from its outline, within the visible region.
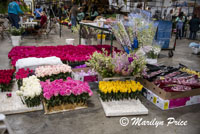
(194, 6)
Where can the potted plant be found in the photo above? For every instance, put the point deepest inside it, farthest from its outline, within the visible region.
(16, 35)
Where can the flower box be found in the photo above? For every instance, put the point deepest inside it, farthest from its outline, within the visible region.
(167, 95)
(53, 72)
(84, 74)
(63, 107)
(166, 104)
(30, 91)
(60, 95)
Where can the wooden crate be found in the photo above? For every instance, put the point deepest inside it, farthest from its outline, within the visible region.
(63, 108)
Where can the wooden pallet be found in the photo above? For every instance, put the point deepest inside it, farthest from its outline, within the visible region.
(63, 108)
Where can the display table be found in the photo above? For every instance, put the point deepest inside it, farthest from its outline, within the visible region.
(27, 24)
(94, 25)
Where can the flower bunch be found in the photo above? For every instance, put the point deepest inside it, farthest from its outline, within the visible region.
(53, 72)
(121, 63)
(6, 77)
(30, 91)
(61, 92)
(120, 33)
(189, 71)
(22, 73)
(119, 90)
(153, 52)
(88, 73)
(102, 63)
(67, 53)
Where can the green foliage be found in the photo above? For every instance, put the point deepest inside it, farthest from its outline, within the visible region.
(102, 63)
(6, 87)
(59, 100)
(118, 96)
(17, 32)
(4, 6)
(32, 102)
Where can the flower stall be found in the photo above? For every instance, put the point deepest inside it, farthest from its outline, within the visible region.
(6, 80)
(61, 95)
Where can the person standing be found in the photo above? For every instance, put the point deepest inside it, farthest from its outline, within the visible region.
(73, 14)
(194, 27)
(169, 15)
(13, 12)
(179, 25)
(37, 12)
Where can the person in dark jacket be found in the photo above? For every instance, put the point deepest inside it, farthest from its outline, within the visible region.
(194, 26)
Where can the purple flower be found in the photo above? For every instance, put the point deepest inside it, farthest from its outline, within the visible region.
(130, 59)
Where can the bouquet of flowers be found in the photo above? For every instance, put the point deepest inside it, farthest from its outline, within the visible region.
(153, 52)
(60, 92)
(142, 28)
(30, 91)
(119, 90)
(128, 64)
(22, 73)
(121, 63)
(102, 63)
(6, 77)
(53, 72)
(121, 35)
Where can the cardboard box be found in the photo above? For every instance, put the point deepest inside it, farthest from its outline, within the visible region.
(167, 95)
(91, 78)
(171, 103)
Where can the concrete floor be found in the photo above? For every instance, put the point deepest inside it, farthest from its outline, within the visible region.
(92, 120)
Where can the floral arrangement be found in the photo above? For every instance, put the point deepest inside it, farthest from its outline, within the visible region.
(30, 91)
(67, 53)
(102, 63)
(22, 73)
(6, 77)
(121, 63)
(119, 90)
(65, 92)
(128, 64)
(53, 72)
(153, 52)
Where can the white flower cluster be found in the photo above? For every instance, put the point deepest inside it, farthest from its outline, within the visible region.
(156, 49)
(31, 87)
